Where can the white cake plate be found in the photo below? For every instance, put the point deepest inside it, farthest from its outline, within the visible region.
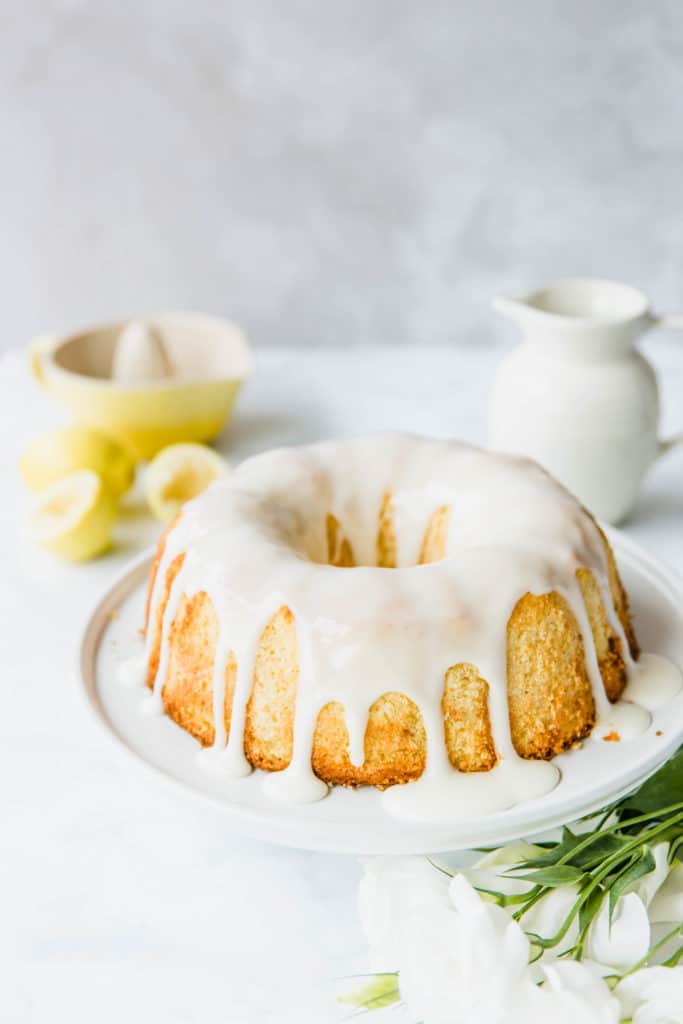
(354, 821)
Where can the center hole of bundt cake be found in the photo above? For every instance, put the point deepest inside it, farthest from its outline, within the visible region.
(340, 547)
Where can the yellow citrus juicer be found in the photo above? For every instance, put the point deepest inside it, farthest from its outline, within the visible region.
(148, 383)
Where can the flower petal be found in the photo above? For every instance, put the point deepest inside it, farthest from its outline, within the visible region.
(667, 905)
(547, 916)
(468, 963)
(391, 888)
(488, 873)
(570, 993)
(648, 886)
(513, 853)
(581, 979)
(653, 995)
(626, 941)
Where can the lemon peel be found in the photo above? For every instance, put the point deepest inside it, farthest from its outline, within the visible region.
(54, 455)
(74, 517)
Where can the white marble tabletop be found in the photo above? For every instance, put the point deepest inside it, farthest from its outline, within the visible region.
(118, 899)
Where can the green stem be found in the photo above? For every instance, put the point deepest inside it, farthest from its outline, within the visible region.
(532, 898)
(654, 949)
(594, 836)
(597, 879)
(675, 959)
(439, 867)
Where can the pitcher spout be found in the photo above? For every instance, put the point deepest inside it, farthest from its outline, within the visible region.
(513, 308)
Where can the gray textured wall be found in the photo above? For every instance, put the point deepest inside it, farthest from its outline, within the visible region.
(334, 171)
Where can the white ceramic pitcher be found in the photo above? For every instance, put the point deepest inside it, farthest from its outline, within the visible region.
(577, 395)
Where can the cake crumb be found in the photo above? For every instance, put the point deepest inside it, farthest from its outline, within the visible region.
(612, 737)
(659, 733)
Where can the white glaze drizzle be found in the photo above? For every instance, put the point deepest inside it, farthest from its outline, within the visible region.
(649, 667)
(257, 542)
(132, 671)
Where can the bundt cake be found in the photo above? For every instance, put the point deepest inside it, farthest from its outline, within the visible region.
(373, 611)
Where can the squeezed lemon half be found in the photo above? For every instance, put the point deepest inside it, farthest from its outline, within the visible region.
(53, 456)
(179, 473)
(74, 517)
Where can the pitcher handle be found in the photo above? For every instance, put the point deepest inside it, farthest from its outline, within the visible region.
(672, 321)
(37, 348)
(671, 442)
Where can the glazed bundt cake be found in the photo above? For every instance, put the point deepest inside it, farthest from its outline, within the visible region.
(372, 611)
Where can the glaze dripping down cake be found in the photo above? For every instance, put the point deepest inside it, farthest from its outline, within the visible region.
(379, 610)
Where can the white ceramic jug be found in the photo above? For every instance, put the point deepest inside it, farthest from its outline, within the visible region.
(577, 395)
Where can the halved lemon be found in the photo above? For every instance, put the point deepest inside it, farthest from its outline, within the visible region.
(74, 517)
(53, 456)
(179, 473)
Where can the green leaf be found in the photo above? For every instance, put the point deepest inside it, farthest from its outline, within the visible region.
(639, 866)
(554, 876)
(673, 833)
(663, 789)
(556, 851)
(588, 910)
(602, 847)
(382, 990)
(589, 848)
(674, 850)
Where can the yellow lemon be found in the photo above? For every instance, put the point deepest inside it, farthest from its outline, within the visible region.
(179, 473)
(74, 517)
(52, 456)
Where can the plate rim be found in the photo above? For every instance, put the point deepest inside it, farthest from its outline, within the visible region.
(251, 821)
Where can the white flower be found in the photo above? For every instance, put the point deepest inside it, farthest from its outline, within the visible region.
(626, 940)
(390, 890)
(572, 993)
(648, 886)
(547, 916)
(668, 903)
(653, 995)
(462, 959)
(467, 964)
(618, 946)
(489, 871)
